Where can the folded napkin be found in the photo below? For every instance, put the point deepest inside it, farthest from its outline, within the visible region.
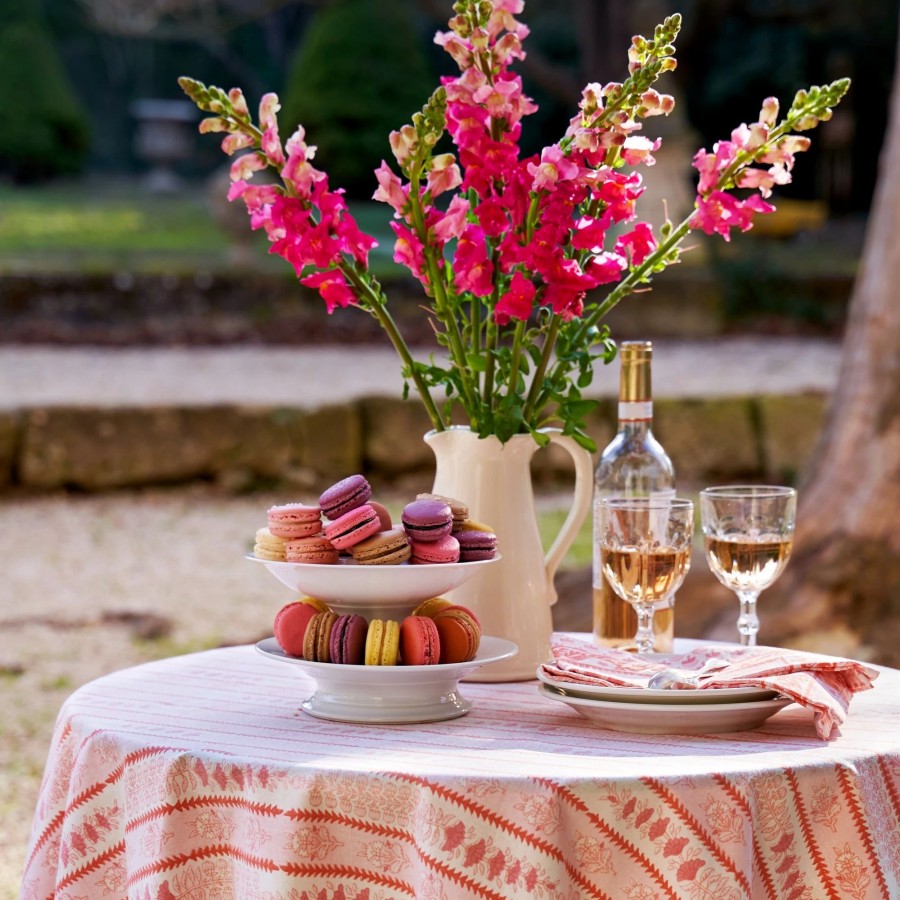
(823, 684)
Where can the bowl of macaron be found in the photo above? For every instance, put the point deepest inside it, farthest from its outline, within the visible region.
(347, 551)
(383, 671)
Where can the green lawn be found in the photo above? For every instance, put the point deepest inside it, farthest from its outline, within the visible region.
(78, 227)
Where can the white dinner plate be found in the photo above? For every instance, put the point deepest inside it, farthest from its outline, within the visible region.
(645, 695)
(376, 592)
(389, 695)
(670, 718)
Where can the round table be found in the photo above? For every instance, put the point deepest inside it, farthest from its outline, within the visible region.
(198, 776)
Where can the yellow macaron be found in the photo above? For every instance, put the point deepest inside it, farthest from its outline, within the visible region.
(269, 546)
(428, 608)
(382, 643)
(317, 605)
(472, 525)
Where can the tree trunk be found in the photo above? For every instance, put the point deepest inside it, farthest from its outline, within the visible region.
(845, 570)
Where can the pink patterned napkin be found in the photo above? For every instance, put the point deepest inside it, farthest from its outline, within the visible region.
(823, 684)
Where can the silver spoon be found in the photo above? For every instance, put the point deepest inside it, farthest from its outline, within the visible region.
(683, 679)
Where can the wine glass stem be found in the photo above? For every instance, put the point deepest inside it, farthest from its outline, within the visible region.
(748, 621)
(644, 636)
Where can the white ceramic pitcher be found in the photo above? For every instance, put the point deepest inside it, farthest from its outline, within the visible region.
(512, 597)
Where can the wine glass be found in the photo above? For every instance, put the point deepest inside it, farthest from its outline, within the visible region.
(645, 551)
(748, 532)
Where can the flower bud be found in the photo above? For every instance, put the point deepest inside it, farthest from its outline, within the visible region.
(480, 39)
(208, 126)
(590, 98)
(460, 25)
(238, 103)
(507, 48)
(403, 143)
(768, 115)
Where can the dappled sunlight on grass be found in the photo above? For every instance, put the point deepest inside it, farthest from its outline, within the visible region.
(77, 227)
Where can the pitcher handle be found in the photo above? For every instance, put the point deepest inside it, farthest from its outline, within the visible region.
(581, 504)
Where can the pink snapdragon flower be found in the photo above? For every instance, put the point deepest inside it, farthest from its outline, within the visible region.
(409, 251)
(720, 211)
(444, 174)
(390, 189)
(517, 302)
(553, 167)
(243, 167)
(268, 122)
(452, 223)
(332, 287)
(472, 267)
(637, 244)
(637, 149)
(606, 267)
(298, 171)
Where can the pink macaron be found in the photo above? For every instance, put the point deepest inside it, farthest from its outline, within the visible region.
(345, 495)
(443, 550)
(420, 644)
(294, 520)
(316, 550)
(290, 626)
(427, 520)
(353, 527)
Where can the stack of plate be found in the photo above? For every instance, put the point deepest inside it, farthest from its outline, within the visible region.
(645, 711)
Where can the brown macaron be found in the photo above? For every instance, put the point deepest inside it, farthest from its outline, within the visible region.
(458, 509)
(316, 641)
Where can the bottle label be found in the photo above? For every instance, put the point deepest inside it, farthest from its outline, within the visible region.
(635, 411)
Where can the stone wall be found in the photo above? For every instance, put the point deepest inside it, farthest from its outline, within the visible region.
(243, 448)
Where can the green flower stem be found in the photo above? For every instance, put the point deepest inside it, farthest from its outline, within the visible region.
(491, 338)
(516, 362)
(442, 306)
(534, 391)
(375, 303)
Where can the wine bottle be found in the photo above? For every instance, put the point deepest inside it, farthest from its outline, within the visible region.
(633, 465)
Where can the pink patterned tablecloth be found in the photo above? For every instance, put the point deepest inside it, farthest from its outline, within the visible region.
(198, 777)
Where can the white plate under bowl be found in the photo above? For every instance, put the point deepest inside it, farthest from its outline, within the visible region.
(645, 695)
(670, 718)
(376, 592)
(389, 695)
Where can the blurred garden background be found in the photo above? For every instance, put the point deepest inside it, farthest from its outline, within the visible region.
(116, 240)
(102, 171)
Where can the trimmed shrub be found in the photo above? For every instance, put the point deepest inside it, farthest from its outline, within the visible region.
(359, 73)
(44, 131)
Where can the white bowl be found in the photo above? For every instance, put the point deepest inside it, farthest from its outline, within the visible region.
(389, 695)
(376, 592)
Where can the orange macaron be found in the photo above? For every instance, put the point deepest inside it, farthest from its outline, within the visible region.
(460, 633)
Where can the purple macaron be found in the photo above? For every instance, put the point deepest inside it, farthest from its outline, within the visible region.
(347, 644)
(347, 494)
(427, 520)
(476, 545)
(444, 550)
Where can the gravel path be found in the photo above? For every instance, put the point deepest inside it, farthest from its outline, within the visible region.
(33, 376)
(95, 584)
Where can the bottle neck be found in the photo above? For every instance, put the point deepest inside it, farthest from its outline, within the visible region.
(635, 417)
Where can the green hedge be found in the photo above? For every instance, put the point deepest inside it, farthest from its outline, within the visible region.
(43, 132)
(359, 74)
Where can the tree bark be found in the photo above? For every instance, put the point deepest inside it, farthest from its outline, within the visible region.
(845, 570)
